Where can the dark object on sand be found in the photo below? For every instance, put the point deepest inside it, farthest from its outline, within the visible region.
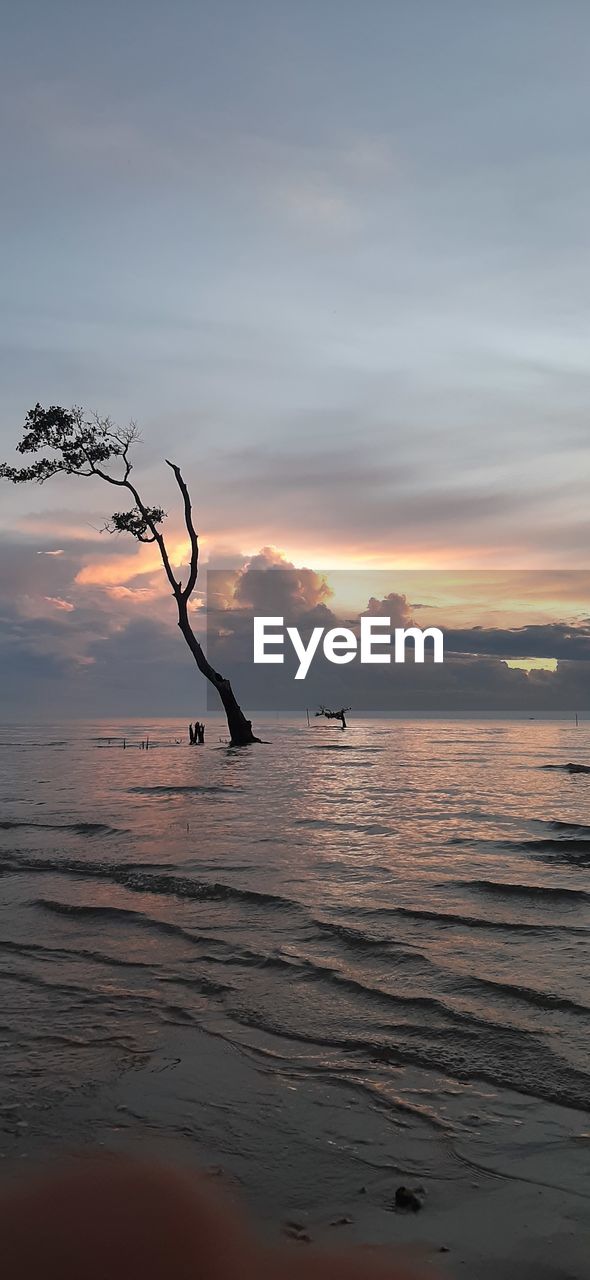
(196, 734)
(407, 1200)
(296, 1231)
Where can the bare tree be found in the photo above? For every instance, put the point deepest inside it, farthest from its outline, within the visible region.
(76, 444)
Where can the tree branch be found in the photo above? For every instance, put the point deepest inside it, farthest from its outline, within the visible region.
(190, 528)
(147, 514)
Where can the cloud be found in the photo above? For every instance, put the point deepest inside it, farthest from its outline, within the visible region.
(474, 677)
(60, 604)
(358, 502)
(560, 640)
(269, 581)
(392, 606)
(120, 569)
(59, 626)
(137, 595)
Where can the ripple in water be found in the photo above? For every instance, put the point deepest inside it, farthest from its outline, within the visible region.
(403, 904)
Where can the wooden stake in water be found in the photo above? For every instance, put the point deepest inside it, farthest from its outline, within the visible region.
(307, 710)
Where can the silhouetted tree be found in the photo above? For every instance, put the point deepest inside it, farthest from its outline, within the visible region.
(74, 444)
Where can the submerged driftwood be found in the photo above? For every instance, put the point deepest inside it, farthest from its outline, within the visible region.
(334, 715)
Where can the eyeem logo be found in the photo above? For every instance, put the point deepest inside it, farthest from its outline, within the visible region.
(341, 645)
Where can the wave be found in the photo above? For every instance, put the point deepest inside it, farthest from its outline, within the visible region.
(566, 859)
(196, 789)
(120, 915)
(512, 1059)
(100, 998)
(79, 828)
(559, 842)
(531, 995)
(337, 746)
(230, 955)
(542, 891)
(476, 922)
(557, 825)
(79, 953)
(568, 768)
(329, 974)
(567, 850)
(331, 824)
(358, 939)
(353, 937)
(141, 881)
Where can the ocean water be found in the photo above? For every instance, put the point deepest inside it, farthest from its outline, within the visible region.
(401, 908)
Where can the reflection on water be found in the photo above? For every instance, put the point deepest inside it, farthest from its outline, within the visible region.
(402, 897)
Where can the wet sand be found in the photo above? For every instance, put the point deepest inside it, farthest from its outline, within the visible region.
(314, 1164)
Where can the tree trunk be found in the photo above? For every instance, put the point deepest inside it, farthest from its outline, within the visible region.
(240, 729)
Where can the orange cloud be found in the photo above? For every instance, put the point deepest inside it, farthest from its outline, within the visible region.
(138, 595)
(121, 570)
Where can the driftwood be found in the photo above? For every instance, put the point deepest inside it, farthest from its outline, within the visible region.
(334, 715)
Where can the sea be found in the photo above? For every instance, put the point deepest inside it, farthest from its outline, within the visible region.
(398, 911)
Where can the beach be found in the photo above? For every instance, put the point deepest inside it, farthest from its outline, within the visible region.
(315, 1166)
(344, 963)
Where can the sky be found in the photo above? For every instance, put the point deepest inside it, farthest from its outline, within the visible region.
(332, 257)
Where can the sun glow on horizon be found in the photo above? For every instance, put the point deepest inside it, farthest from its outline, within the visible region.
(531, 664)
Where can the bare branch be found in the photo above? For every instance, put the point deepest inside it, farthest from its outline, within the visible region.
(190, 528)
